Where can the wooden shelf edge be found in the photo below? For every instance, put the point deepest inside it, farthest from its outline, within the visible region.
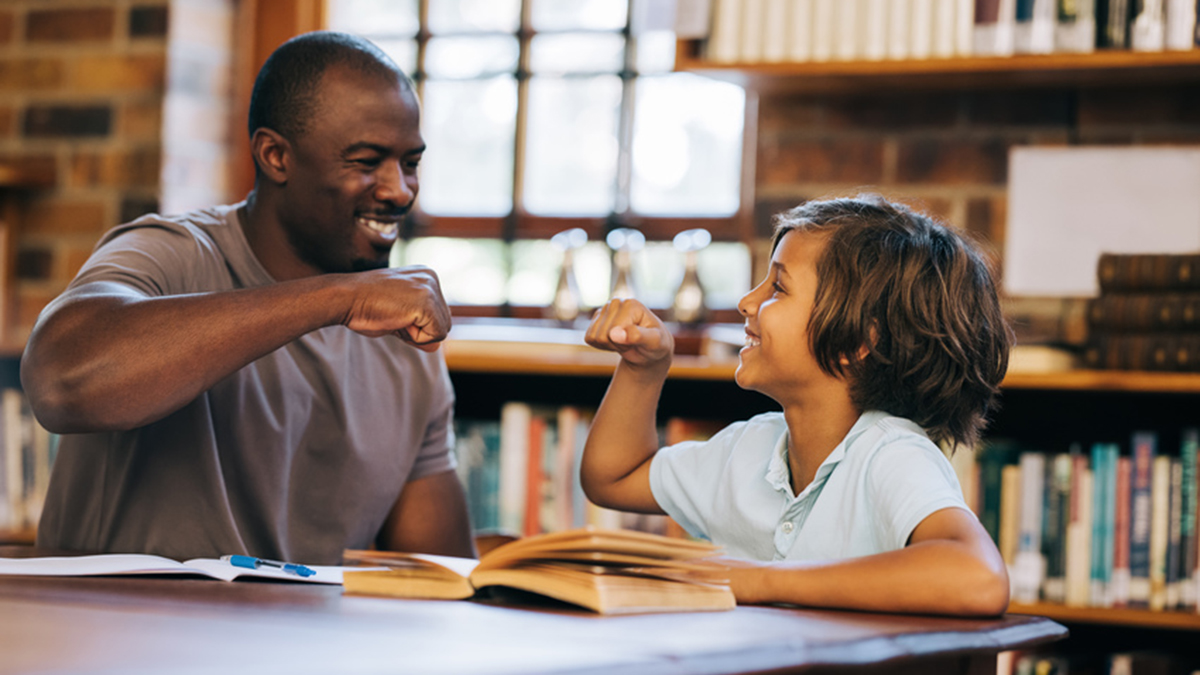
(17, 537)
(1099, 67)
(1132, 618)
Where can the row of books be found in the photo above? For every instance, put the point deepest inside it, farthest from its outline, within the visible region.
(1102, 527)
(521, 472)
(26, 453)
(1147, 316)
(1057, 662)
(774, 31)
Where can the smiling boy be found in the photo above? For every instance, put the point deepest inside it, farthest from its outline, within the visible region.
(879, 333)
(214, 373)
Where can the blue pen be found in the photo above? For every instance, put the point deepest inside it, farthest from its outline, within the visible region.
(253, 563)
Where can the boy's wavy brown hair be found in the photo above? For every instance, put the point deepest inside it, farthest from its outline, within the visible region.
(921, 298)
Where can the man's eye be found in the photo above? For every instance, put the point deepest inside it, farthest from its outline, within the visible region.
(366, 161)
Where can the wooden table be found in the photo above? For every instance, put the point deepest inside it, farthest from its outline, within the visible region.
(179, 624)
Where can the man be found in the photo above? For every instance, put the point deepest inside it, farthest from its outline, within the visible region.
(253, 378)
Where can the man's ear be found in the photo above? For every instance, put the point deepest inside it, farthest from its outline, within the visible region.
(272, 154)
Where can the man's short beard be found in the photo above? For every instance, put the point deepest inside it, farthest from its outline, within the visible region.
(365, 265)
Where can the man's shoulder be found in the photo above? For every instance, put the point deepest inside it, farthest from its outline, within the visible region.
(206, 225)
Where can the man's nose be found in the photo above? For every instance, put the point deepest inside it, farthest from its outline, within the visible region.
(391, 186)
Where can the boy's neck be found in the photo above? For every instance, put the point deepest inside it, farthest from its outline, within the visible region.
(814, 429)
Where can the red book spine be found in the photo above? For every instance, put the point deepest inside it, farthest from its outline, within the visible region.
(1121, 532)
(533, 476)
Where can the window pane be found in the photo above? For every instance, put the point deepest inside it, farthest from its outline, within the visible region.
(471, 271)
(587, 14)
(535, 272)
(474, 16)
(593, 272)
(470, 128)
(571, 152)
(403, 52)
(687, 146)
(657, 271)
(395, 18)
(577, 53)
(724, 269)
(656, 52)
(464, 57)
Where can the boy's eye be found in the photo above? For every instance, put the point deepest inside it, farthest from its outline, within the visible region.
(777, 286)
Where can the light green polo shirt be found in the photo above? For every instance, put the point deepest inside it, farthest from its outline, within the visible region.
(876, 486)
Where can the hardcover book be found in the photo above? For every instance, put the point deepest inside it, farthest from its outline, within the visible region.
(1140, 511)
(606, 571)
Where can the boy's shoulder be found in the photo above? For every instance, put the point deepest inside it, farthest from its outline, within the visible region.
(884, 431)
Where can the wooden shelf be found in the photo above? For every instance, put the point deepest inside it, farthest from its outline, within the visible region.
(1101, 68)
(1132, 618)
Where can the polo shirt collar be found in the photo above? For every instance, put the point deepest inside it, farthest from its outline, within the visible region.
(779, 473)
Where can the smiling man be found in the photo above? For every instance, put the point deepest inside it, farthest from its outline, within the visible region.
(253, 378)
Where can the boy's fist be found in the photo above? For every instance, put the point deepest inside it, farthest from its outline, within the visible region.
(631, 330)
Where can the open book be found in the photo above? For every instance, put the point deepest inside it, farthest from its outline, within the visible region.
(140, 563)
(606, 571)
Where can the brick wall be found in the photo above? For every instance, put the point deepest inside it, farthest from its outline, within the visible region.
(86, 88)
(947, 151)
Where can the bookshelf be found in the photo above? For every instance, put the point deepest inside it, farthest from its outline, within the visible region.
(1112, 67)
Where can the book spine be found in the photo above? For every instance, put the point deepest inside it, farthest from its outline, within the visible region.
(1104, 456)
(846, 25)
(1188, 516)
(800, 31)
(1174, 532)
(724, 40)
(1010, 520)
(1121, 522)
(1112, 24)
(824, 17)
(1144, 312)
(1148, 28)
(899, 38)
(1079, 535)
(944, 26)
(1181, 24)
(534, 476)
(921, 35)
(1178, 352)
(1055, 520)
(876, 19)
(1160, 496)
(964, 27)
(1075, 28)
(14, 471)
(994, 24)
(514, 455)
(1118, 272)
(1141, 480)
(775, 31)
(753, 25)
(1030, 565)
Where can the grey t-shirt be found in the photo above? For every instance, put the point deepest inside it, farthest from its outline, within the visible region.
(296, 456)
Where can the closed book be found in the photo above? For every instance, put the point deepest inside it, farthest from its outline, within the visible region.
(1010, 520)
(848, 27)
(1174, 532)
(1181, 25)
(1079, 536)
(994, 24)
(1030, 566)
(753, 27)
(477, 447)
(920, 44)
(775, 31)
(605, 571)
(514, 457)
(800, 31)
(824, 29)
(1075, 28)
(1033, 32)
(1177, 352)
(1123, 272)
(725, 34)
(1104, 459)
(1144, 312)
(899, 38)
(1140, 512)
(1160, 503)
(964, 27)
(944, 27)
(1148, 27)
(1121, 519)
(1188, 516)
(1112, 25)
(1055, 519)
(876, 19)
(994, 455)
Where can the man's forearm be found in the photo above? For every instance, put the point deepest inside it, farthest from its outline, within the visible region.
(109, 359)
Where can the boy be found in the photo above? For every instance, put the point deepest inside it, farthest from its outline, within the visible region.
(880, 333)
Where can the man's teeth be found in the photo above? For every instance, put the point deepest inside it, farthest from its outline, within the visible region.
(379, 226)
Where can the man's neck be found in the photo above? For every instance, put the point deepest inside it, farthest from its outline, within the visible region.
(268, 240)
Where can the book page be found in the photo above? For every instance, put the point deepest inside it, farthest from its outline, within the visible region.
(140, 563)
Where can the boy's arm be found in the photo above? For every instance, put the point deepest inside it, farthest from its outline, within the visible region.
(950, 566)
(615, 471)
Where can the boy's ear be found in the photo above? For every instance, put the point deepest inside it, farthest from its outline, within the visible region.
(863, 349)
(272, 153)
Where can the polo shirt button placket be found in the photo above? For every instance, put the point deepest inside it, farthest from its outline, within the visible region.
(787, 527)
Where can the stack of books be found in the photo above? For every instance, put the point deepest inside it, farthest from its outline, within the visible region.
(1147, 316)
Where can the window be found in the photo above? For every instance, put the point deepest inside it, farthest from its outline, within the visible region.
(545, 115)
